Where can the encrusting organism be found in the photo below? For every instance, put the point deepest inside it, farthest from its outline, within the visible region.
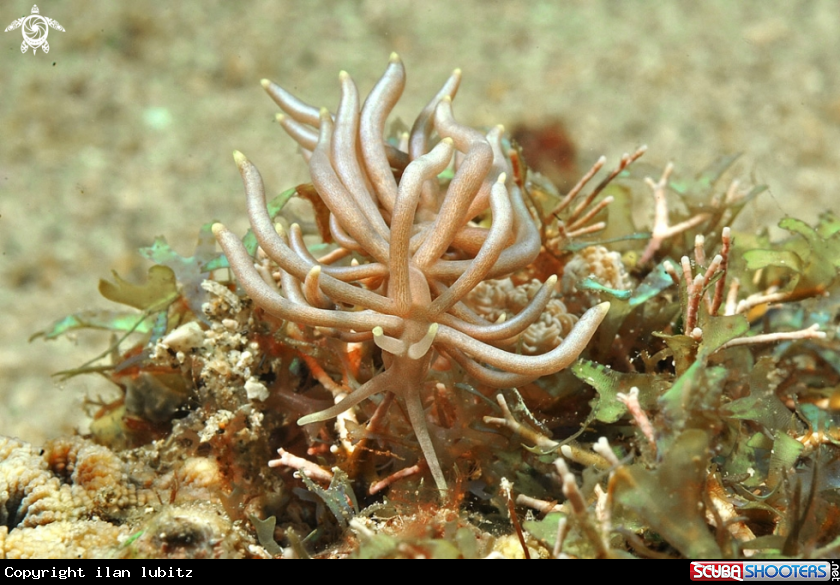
(495, 299)
(417, 252)
(595, 263)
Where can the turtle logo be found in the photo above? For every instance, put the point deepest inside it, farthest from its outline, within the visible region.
(35, 29)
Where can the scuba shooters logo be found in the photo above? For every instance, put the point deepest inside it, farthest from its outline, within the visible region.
(764, 571)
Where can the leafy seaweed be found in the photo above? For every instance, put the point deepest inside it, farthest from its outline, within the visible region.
(694, 399)
(156, 294)
(338, 497)
(809, 263)
(190, 271)
(265, 534)
(670, 497)
(609, 383)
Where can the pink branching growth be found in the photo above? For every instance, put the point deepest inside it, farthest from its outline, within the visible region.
(396, 476)
(812, 332)
(662, 228)
(631, 401)
(596, 532)
(312, 470)
(509, 422)
(576, 221)
(418, 253)
(698, 288)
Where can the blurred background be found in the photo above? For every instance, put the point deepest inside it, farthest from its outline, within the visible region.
(124, 130)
